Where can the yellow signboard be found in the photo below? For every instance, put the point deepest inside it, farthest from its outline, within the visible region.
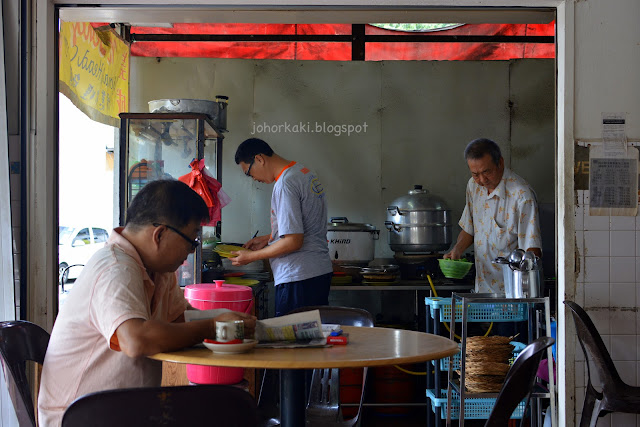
(94, 71)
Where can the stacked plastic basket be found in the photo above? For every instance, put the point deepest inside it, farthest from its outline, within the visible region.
(474, 408)
(479, 312)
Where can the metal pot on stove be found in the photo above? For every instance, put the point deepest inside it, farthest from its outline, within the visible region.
(419, 222)
(351, 243)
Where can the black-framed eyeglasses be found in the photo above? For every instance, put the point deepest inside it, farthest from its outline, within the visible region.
(248, 172)
(194, 243)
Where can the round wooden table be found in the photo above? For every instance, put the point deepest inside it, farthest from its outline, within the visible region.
(366, 347)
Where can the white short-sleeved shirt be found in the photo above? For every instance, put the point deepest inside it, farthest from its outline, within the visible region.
(299, 206)
(499, 222)
(83, 355)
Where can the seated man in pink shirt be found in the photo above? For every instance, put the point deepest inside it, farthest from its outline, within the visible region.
(126, 304)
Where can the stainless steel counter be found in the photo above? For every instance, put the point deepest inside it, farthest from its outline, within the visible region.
(401, 302)
(399, 287)
(409, 285)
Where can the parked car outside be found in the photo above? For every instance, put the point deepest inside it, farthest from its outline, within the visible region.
(75, 246)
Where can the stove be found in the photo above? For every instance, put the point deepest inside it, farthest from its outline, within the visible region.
(416, 266)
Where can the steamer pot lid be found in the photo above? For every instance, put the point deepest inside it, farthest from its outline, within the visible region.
(419, 199)
(343, 224)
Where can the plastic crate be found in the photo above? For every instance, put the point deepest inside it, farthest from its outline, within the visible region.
(444, 363)
(479, 311)
(474, 408)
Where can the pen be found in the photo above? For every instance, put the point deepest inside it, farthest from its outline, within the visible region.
(254, 236)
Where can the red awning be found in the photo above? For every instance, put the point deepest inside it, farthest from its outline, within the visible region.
(341, 50)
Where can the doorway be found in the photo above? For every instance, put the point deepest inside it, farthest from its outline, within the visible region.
(86, 185)
(564, 77)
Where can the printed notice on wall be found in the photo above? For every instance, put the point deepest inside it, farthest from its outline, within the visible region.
(613, 181)
(614, 135)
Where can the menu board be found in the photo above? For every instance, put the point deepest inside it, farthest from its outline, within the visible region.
(613, 171)
(612, 182)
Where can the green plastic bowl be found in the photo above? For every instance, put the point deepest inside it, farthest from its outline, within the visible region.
(454, 268)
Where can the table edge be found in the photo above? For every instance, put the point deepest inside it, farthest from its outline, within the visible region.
(449, 348)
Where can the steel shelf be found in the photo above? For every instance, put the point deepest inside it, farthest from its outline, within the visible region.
(459, 387)
(537, 393)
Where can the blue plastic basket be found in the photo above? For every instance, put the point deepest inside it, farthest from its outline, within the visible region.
(444, 363)
(479, 311)
(474, 408)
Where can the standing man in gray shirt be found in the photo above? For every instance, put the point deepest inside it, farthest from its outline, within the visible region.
(297, 246)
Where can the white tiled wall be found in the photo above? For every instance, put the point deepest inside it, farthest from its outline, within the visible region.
(608, 259)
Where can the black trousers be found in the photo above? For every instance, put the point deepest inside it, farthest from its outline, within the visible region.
(292, 295)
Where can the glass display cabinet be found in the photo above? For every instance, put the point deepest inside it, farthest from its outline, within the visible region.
(161, 146)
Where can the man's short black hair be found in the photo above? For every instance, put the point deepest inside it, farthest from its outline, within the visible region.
(250, 148)
(480, 147)
(167, 201)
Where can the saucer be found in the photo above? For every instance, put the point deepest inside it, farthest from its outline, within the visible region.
(247, 345)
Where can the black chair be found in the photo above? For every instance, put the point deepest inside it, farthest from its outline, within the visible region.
(323, 407)
(616, 395)
(197, 405)
(21, 341)
(519, 382)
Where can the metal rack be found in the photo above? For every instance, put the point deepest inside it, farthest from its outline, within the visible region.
(479, 308)
(160, 146)
(488, 307)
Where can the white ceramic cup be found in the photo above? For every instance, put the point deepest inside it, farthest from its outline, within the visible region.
(230, 332)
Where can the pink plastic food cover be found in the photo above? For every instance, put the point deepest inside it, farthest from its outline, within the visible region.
(218, 292)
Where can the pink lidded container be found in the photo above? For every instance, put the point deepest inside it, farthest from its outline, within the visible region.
(207, 296)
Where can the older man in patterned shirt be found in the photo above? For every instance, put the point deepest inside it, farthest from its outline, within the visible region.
(500, 215)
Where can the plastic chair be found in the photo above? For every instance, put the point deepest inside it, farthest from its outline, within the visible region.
(211, 404)
(616, 395)
(519, 382)
(323, 407)
(21, 341)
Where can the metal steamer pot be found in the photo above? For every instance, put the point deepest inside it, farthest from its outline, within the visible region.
(216, 110)
(351, 243)
(419, 222)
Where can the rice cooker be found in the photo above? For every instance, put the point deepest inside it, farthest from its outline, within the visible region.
(350, 242)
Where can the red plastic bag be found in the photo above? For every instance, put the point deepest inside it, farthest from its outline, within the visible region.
(199, 182)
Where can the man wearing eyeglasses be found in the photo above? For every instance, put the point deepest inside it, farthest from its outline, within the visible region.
(297, 246)
(126, 304)
(500, 215)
